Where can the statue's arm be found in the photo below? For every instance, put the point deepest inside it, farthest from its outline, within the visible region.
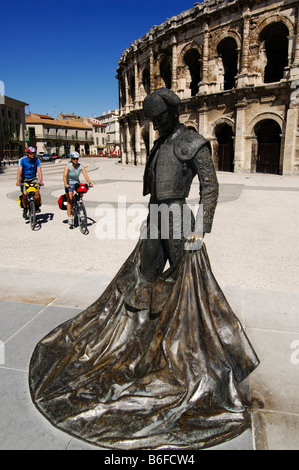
(209, 188)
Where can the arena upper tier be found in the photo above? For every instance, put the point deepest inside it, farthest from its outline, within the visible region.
(235, 66)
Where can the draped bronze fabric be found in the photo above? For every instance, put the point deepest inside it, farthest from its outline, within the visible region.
(161, 377)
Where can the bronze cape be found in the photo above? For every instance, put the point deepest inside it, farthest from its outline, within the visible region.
(117, 379)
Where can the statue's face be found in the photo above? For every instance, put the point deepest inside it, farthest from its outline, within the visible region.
(164, 123)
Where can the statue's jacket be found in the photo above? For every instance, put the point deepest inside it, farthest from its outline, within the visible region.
(173, 163)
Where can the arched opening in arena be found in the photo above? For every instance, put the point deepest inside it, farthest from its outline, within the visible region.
(165, 71)
(227, 50)
(146, 81)
(192, 60)
(275, 38)
(225, 151)
(268, 133)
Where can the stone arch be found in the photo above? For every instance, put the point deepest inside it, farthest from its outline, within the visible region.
(221, 121)
(186, 48)
(228, 53)
(268, 138)
(131, 86)
(144, 81)
(190, 65)
(262, 25)
(263, 22)
(223, 132)
(226, 34)
(262, 117)
(193, 62)
(274, 43)
(266, 154)
(122, 88)
(145, 77)
(165, 69)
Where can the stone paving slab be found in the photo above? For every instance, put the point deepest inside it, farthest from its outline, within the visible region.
(278, 310)
(25, 427)
(19, 348)
(276, 431)
(22, 426)
(253, 249)
(273, 386)
(83, 292)
(275, 382)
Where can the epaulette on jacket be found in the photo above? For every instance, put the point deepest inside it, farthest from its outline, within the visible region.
(188, 144)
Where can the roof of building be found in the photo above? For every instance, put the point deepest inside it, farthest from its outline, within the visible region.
(92, 121)
(13, 100)
(72, 123)
(42, 116)
(115, 112)
(67, 116)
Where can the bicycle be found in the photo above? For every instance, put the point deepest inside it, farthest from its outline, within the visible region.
(31, 189)
(79, 213)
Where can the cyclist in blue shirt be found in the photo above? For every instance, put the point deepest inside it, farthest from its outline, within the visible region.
(30, 171)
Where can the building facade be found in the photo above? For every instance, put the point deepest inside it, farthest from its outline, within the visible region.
(12, 128)
(235, 66)
(99, 136)
(59, 136)
(111, 121)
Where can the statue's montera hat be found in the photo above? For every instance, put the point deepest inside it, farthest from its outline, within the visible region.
(158, 101)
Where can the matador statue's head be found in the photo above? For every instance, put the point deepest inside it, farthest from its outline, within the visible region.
(162, 107)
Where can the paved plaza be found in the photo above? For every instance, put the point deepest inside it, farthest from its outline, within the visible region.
(53, 273)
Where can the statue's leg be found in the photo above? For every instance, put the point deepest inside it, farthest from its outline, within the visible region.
(153, 258)
(175, 249)
(181, 223)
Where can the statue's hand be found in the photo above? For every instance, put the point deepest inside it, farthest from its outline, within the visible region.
(194, 242)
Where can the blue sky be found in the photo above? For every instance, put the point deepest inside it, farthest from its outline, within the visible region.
(62, 55)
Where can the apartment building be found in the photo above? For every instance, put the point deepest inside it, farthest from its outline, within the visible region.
(111, 121)
(12, 128)
(60, 136)
(98, 134)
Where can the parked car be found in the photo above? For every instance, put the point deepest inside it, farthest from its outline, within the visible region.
(46, 157)
(54, 156)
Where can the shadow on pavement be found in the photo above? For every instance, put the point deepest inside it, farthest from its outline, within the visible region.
(42, 219)
(90, 222)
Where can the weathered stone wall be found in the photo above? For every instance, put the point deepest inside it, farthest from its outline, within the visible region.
(235, 66)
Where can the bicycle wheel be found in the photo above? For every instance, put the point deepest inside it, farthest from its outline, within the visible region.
(74, 214)
(82, 217)
(32, 214)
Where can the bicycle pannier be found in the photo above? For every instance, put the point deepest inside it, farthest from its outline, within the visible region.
(20, 201)
(81, 188)
(62, 202)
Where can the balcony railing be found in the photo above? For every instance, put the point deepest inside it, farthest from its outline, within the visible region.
(62, 138)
